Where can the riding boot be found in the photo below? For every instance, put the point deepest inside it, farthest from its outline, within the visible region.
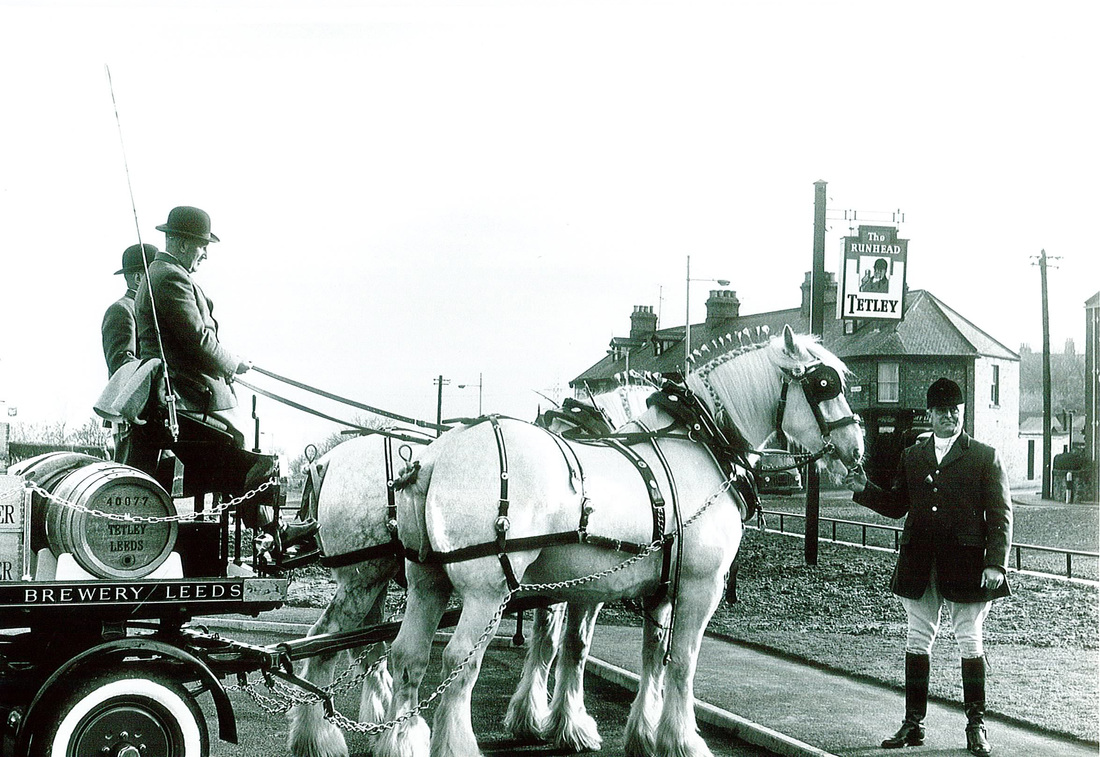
(973, 675)
(911, 732)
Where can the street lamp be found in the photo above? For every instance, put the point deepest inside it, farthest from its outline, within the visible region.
(478, 385)
(687, 316)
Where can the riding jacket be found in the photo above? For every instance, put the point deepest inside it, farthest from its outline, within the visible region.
(958, 517)
(198, 365)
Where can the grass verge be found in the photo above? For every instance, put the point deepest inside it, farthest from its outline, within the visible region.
(1041, 642)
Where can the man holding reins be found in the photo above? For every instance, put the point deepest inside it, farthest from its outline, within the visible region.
(182, 331)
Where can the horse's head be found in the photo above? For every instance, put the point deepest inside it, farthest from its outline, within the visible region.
(789, 384)
(818, 417)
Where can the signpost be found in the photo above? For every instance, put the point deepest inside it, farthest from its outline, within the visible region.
(873, 275)
(817, 327)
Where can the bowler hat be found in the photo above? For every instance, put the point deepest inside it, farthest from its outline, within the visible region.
(944, 393)
(186, 221)
(131, 258)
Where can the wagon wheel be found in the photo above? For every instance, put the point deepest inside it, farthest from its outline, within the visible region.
(126, 714)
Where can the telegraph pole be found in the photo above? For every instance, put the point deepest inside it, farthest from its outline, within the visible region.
(439, 404)
(817, 327)
(1043, 263)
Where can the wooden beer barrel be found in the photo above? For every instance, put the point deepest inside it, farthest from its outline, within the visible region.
(106, 547)
(45, 471)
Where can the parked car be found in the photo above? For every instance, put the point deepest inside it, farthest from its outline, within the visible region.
(772, 481)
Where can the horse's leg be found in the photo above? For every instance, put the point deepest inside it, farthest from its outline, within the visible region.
(570, 724)
(482, 595)
(377, 686)
(429, 590)
(677, 734)
(641, 725)
(360, 592)
(528, 710)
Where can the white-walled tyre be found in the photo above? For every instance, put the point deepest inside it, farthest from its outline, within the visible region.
(126, 715)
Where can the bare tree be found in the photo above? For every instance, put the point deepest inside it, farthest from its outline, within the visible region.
(334, 439)
(57, 432)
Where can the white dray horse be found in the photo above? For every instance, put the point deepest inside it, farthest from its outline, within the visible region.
(355, 518)
(508, 484)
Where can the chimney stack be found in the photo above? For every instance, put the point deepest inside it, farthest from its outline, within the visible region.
(722, 307)
(643, 323)
(830, 293)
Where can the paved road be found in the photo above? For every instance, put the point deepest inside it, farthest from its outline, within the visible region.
(263, 735)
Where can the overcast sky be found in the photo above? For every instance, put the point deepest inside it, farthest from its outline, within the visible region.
(405, 190)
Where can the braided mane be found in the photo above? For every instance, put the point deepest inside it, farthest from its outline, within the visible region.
(741, 383)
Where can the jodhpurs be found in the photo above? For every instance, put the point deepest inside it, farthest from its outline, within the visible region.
(924, 621)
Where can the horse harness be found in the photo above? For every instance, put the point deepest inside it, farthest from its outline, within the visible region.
(501, 546)
(820, 383)
(311, 491)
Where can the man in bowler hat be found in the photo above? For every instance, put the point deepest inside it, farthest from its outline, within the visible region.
(174, 314)
(119, 329)
(199, 365)
(953, 492)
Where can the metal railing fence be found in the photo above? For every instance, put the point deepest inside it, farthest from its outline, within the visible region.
(892, 541)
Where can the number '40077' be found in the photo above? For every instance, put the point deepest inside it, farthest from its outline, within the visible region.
(125, 501)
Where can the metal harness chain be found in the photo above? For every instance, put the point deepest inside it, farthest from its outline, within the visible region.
(129, 518)
(284, 697)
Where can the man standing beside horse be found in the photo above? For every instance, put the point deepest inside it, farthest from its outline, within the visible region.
(953, 492)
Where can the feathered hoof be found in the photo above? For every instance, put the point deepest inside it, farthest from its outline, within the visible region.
(691, 745)
(639, 744)
(312, 736)
(577, 733)
(410, 739)
(525, 724)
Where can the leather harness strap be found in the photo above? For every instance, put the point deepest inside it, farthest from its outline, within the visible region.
(780, 411)
(386, 549)
(678, 543)
(502, 546)
(502, 522)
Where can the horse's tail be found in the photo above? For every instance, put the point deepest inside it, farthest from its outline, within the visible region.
(411, 486)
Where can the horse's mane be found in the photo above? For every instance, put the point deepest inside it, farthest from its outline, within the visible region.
(744, 374)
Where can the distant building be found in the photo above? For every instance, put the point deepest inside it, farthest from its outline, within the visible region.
(892, 363)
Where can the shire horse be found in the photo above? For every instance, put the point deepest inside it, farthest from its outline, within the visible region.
(491, 500)
(356, 520)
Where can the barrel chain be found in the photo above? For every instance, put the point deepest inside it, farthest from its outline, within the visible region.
(131, 518)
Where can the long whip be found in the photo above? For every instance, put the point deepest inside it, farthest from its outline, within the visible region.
(173, 418)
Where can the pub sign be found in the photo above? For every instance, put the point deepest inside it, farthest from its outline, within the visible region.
(873, 283)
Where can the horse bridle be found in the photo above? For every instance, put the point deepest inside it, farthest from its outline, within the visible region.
(820, 383)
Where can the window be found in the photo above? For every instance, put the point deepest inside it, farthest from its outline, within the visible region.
(995, 387)
(888, 382)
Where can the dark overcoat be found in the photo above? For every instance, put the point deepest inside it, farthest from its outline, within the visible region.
(958, 515)
(199, 366)
(119, 333)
